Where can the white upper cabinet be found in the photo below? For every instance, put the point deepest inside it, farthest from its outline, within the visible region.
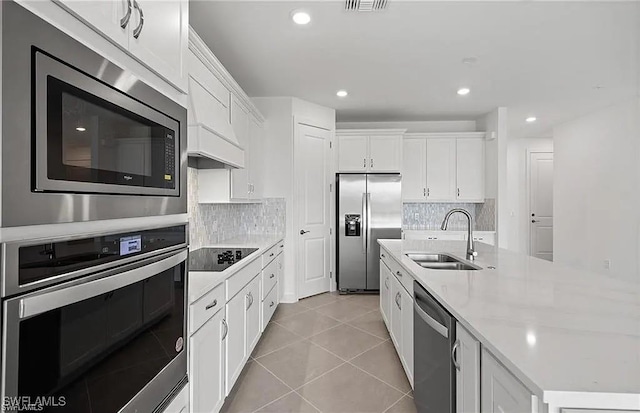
(370, 150)
(441, 169)
(160, 36)
(255, 158)
(352, 154)
(385, 153)
(470, 169)
(106, 16)
(246, 183)
(414, 170)
(154, 32)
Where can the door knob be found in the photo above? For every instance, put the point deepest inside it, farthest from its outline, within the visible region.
(533, 221)
(302, 232)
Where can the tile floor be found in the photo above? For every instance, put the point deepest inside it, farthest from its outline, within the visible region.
(327, 353)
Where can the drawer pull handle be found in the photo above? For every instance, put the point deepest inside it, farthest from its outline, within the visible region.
(271, 255)
(398, 273)
(282, 246)
(382, 255)
(272, 303)
(272, 275)
(213, 304)
(226, 329)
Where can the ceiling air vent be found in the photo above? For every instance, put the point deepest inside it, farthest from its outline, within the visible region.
(365, 5)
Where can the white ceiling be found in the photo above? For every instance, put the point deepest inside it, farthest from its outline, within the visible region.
(405, 63)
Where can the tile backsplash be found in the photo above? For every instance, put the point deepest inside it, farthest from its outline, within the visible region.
(212, 223)
(429, 216)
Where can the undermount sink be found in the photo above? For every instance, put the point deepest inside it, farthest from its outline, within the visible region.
(441, 262)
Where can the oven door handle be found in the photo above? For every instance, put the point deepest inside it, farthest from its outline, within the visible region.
(39, 303)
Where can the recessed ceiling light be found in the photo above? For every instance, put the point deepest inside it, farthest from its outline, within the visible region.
(342, 93)
(300, 17)
(531, 119)
(463, 91)
(80, 129)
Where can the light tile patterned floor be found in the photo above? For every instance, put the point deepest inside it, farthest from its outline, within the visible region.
(327, 353)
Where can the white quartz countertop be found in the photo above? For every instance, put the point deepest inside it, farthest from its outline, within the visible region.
(558, 329)
(201, 282)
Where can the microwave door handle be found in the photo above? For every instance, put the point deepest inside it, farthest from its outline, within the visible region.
(42, 303)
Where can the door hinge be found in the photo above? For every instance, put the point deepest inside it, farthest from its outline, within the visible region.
(330, 231)
(330, 187)
(330, 274)
(330, 144)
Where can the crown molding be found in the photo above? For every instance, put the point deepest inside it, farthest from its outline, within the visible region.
(433, 135)
(202, 52)
(377, 132)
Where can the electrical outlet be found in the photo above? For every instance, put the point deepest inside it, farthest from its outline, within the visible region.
(416, 215)
(607, 264)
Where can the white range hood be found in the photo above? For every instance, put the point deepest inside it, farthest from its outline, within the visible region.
(210, 135)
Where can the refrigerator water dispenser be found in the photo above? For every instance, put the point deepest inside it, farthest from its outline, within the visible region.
(352, 225)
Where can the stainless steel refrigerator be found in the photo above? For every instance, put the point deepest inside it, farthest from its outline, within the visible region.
(369, 208)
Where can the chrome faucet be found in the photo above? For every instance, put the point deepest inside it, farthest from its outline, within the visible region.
(471, 253)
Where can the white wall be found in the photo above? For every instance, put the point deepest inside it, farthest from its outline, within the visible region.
(517, 189)
(411, 127)
(597, 190)
(495, 124)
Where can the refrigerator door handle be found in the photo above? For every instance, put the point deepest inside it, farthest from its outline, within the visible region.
(364, 222)
(368, 221)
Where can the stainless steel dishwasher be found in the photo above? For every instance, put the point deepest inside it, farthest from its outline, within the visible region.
(434, 369)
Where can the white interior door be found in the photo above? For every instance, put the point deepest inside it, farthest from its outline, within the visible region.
(313, 199)
(541, 204)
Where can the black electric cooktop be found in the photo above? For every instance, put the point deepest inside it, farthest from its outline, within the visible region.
(216, 259)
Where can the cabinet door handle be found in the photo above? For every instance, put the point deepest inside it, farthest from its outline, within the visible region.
(271, 255)
(124, 21)
(454, 354)
(398, 273)
(372, 162)
(458, 191)
(382, 255)
(424, 191)
(364, 163)
(272, 303)
(386, 283)
(272, 275)
(226, 329)
(213, 304)
(138, 30)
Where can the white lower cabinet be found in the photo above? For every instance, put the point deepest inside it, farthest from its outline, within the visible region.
(396, 315)
(467, 356)
(253, 321)
(406, 317)
(385, 292)
(207, 359)
(236, 348)
(501, 391)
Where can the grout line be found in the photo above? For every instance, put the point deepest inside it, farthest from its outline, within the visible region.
(316, 378)
(379, 379)
(271, 402)
(368, 332)
(308, 401)
(397, 401)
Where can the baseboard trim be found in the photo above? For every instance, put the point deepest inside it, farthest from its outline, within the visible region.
(289, 298)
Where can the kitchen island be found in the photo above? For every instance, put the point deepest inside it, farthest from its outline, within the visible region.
(571, 337)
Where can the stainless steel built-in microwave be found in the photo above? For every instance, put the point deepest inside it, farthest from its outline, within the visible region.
(82, 139)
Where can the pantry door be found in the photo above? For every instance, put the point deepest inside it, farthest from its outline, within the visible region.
(312, 149)
(541, 204)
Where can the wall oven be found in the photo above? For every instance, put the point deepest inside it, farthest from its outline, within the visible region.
(82, 139)
(106, 333)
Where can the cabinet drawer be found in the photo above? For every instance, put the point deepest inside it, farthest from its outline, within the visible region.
(236, 282)
(269, 306)
(205, 308)
(269, 277)
(401, 274)
(271, 253)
